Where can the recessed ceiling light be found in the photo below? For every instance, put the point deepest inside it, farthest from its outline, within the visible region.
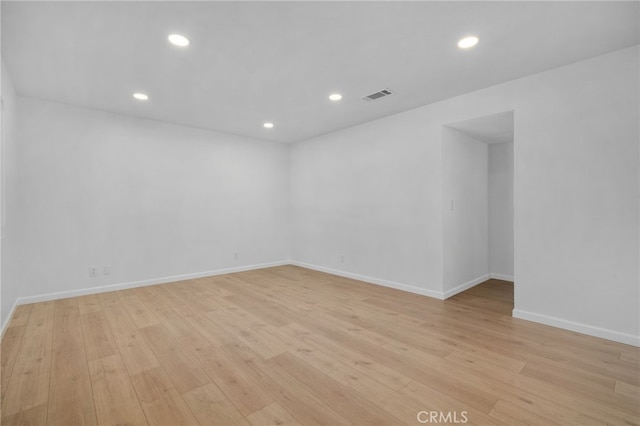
(467, 42)
(335, 96)
(178, 40)
(268, 125)
(141, 96)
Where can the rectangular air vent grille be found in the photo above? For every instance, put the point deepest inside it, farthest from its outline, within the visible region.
(377, 95)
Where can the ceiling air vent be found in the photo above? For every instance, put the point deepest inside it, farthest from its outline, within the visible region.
(377, 95)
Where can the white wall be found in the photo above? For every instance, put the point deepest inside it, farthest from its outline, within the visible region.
(150, 199)
(373, 192)
(501, 210)
(465, 214)
(8, 146)
(576, 214)
(367, 193)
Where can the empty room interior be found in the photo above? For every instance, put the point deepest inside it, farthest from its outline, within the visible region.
(336, 213)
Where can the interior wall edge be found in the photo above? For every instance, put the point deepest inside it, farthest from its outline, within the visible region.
(466, 286)
(616, 336)
(372, 280)
(502, 277)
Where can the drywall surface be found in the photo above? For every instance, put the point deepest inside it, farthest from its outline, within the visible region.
(144, 198)
(576, 186)
(465, 215)
(373, 193)
(8, 146)
(501, 210)
(366, 201)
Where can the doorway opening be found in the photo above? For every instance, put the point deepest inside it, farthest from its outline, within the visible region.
(478, 200)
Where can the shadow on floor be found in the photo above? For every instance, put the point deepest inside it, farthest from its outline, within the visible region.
(492, 296)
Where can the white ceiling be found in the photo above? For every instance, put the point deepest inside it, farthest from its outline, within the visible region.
(251, 62)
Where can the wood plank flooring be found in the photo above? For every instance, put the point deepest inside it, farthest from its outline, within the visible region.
(287, 345)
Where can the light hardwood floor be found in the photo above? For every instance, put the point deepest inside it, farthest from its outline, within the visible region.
(288, 345)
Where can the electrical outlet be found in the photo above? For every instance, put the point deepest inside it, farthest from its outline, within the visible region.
(236, 256)
(341, 259)
(93, 271)
(106, 269)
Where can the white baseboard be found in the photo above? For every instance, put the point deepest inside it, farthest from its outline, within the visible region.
(604, 333)
(4, 325)
(616, 336)
(502, 277)
(372, 280)
(123, 286)
(465, 286)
